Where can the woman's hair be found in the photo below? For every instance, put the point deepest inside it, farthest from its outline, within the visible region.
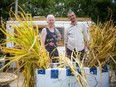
(50, 15)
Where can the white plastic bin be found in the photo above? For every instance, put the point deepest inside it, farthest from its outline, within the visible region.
(62, 77)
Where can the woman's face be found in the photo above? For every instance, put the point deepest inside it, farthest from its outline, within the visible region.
(51, 21)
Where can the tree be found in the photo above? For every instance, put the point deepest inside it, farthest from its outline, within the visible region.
(98, 10)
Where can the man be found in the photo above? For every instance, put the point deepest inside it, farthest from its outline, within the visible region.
(75, 37)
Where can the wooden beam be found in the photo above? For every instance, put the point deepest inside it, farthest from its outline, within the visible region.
(42, 18)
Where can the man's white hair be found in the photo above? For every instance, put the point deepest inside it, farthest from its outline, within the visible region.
(50, 15)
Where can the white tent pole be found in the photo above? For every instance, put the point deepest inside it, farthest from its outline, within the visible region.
(16, 7)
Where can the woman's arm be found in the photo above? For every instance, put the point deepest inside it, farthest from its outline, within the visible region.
(59, 35)
(43, 36)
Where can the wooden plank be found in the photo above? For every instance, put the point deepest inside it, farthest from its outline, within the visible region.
(42, 18)
(60, 19)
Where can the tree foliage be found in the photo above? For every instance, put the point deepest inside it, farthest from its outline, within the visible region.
(98, 10)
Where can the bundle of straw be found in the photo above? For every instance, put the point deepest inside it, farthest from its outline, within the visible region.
(27, 48)
(102, 44)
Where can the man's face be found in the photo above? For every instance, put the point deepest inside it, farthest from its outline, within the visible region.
(72, 17)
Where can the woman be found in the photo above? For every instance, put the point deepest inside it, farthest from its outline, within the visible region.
(50, 36)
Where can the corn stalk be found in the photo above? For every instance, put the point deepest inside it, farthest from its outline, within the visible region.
(102, 44)
(27, 48)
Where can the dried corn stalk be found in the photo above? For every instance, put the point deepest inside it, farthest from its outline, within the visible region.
(102, 44)
(27, 48)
